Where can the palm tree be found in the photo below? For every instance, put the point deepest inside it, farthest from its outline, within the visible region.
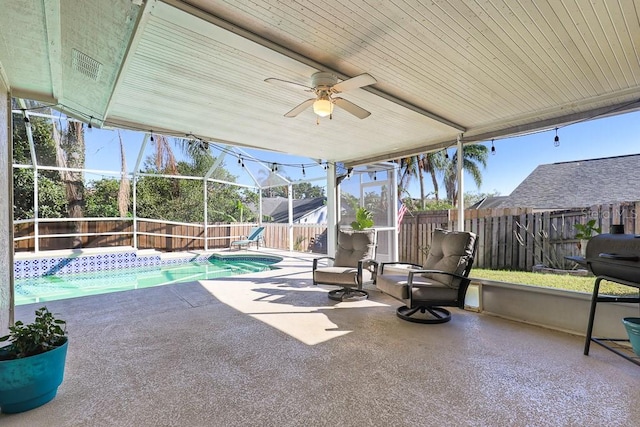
(434, 164)
(124, 191)
(163, 156)
(411, 167)
(473, 156)
(407, 172)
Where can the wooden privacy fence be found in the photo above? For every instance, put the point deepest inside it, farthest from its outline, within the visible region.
(163, 236)
(516, 239)
(306, 238)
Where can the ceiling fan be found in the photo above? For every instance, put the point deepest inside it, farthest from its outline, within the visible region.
(325, 86)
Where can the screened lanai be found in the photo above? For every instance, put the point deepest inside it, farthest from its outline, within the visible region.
(177, 194)
(244, 74)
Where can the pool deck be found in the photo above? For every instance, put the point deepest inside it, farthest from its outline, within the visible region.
(270, 349)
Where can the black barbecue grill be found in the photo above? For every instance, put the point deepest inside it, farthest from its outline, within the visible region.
(616, 258)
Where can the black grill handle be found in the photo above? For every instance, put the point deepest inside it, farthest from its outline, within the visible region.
(619, 257)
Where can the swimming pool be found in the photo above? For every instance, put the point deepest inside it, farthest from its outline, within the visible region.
(55, 287)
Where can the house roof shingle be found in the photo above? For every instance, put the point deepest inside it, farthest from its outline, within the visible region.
(301, 207)
(579, 183)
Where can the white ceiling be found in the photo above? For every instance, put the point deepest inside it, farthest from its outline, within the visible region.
(485, 69)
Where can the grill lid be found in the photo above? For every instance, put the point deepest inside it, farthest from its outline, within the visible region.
(616, 256)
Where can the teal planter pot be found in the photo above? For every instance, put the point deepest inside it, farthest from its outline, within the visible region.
(632, 324)
(31, 381)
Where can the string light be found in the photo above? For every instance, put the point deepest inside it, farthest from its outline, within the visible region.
(556, 140)
(493, 148)
(446, 154)
(375, 178)
(80, 113)
(190, 137)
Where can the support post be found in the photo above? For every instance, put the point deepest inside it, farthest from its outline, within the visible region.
(290, 191)
(460, 184)
(206, 214)
(7, 302)
(394, 208)
(332, 209)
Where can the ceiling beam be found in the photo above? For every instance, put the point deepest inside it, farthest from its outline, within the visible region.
(143, 18)
(509, 132)
(557, 121)
(242, 32)
(54, 43)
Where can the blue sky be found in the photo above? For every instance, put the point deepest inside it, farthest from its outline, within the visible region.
(516, 158)
(513, 161)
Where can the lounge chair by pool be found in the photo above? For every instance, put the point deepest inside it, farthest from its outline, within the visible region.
(254, 237)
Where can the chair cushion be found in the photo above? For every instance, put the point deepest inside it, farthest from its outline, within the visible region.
(430, 290)
(354, 246)
(396, 286)
(450, 251)
(345, 276)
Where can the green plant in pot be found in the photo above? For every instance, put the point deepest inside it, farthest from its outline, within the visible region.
(584, 233)
(32, 364)
(364, 219)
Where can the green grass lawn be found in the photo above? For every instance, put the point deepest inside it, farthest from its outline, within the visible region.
(558, 281)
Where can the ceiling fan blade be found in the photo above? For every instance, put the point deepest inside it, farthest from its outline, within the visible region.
(354, 83)
(352, 108)
(280, 82)
(300, 108)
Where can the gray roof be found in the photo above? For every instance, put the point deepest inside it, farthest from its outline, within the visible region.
(579, 183)
(301, 207)
(272, 204)
(489, 202)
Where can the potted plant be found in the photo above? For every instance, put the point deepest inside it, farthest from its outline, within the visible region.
(32, 365)
(584, 233)
(364, 219)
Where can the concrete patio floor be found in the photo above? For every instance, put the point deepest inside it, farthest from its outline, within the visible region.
(270, 349)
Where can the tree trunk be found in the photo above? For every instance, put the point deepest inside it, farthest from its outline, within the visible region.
(421, 178)
(70, 153)
(434, 181)
(124, 190)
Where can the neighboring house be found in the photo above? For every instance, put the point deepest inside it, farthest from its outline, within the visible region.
(489, 202)
(579, 183)
(305, 211)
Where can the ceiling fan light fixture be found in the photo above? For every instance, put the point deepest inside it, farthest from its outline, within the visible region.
(323, 107)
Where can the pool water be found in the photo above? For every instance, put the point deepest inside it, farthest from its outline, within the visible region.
(49, 288)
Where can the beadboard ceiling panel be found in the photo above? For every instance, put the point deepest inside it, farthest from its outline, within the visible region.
(483, 68)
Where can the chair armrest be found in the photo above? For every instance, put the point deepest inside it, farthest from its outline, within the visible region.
(374, 272)
(408, 264)
(315, 261)
(367, 263)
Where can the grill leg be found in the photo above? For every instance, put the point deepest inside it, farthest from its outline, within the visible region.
(592, 315)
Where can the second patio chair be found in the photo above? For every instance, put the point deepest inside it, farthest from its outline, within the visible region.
(254, 236)
(352, 266)
(442, 281)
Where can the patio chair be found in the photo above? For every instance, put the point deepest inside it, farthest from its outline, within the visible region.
(352, 266)
(255, 235)
(442, 281)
